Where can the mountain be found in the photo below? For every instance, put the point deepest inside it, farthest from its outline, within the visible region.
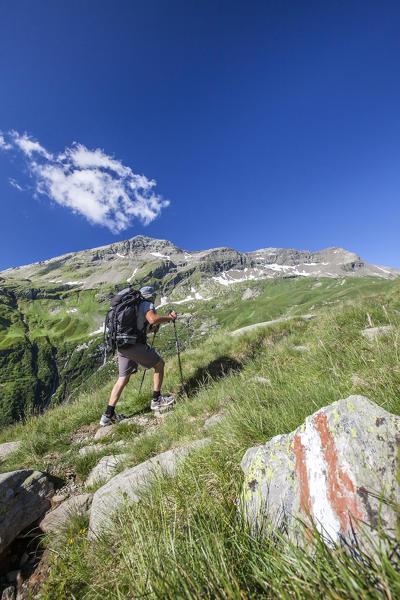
(141, 259)
(51, 312)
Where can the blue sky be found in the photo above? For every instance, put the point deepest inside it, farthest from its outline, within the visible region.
(210, 123)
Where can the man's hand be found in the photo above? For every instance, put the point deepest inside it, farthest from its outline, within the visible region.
(173, 315)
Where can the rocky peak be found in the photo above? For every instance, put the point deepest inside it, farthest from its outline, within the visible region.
(141, 258)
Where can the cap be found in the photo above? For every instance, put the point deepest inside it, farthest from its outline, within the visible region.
(148, 292)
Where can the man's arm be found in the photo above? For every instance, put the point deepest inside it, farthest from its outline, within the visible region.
(154, 319)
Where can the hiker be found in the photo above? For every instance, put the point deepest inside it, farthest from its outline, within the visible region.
(130, 355)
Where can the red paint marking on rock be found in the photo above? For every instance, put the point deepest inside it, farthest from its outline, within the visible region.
(341, 492)
(301, 469)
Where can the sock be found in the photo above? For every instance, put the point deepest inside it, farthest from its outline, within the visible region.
(110, 411)
(156, 395)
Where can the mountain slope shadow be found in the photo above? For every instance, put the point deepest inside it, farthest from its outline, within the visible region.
(220, 367)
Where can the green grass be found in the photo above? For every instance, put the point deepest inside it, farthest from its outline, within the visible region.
(184, 540)
(35, 315)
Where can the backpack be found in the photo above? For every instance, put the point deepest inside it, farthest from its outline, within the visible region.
(120, 325)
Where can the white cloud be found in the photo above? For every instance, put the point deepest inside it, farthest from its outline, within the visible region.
(90, 182)
(15, 184)
(3, 144)
(29, 146)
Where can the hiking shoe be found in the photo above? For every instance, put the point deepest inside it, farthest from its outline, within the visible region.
(161, 402)
(104, 421)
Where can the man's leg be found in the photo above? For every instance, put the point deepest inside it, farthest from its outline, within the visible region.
(117, 389)
(108, 416)
(158, 376)
(158, 400)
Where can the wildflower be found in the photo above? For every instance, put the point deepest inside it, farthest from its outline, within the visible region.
(70, 541)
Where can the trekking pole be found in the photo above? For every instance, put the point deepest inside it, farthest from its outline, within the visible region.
(145, 371)
(179, 357)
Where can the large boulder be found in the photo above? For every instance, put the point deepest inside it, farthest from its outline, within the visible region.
(333, 468)
(24, 497)
(126, 485)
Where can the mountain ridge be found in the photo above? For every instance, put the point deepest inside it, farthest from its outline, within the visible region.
(125, 261)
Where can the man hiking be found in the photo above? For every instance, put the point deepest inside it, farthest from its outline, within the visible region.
(130, 355)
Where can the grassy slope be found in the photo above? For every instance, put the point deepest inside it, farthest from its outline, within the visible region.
(183, 540)
(42, 325)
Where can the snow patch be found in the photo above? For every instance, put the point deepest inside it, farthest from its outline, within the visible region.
(132, 276)
(66, 282)
(227, 279)
(187, 299)
(276, 267)
(197, 295)
(120, 255)
(163, 301)
(159, 255)
(382, 269)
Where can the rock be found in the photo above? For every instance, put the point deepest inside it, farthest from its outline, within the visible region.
(334, 467)
(56, 518)
(250, 293)
(140, 420)
(104, 469)
(371, 333)
(87, 450)
(301, 348)
(24, 497)
(57, 499)
(213, 420)
(121, 444)
(261, 380)
(266, 323)
(103, 432)
(8, 593)
(127, 484)
(8, 448)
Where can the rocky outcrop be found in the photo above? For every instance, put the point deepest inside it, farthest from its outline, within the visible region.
(250, 293)
(371, 333)
(55, 519)
(126, 485)
(334, 468)
(8, 448)
(104, 469)
(266, 323)
(24, 497)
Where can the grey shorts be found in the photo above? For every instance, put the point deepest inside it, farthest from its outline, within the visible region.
(130, 356)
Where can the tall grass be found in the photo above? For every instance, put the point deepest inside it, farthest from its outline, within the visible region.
(184, 538)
